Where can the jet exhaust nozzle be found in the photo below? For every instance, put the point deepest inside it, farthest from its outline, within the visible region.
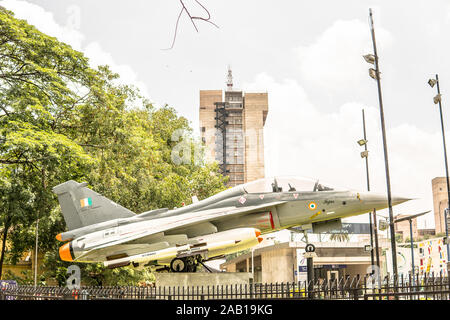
(66, 252)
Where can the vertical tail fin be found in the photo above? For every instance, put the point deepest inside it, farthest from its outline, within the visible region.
(82, 207)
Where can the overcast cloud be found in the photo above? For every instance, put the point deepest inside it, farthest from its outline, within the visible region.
(306, 55)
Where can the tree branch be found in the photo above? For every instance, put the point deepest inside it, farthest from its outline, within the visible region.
(192, 18)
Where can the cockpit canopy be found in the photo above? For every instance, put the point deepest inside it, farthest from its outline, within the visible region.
(285, 184)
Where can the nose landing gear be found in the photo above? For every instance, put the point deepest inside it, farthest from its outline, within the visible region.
(186, 264)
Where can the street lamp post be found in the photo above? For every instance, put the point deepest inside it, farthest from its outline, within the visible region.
(375, 74)
(253, 265)
(375, 233)
(437, 100)
(446, 211)
(36, 252)
(411, 237)
(365, 155)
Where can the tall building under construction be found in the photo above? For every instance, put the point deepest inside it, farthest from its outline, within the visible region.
(231, 126)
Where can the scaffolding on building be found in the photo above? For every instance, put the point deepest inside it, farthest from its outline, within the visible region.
(230, 147)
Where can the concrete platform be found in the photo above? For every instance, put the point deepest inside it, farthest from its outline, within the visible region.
(189, 279)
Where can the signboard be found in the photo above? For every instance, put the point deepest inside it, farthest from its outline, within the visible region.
(302, 270)
(5, 284)
(448, 224)
(349, 228)
(433, 256)
(331, 266)
(403, 260)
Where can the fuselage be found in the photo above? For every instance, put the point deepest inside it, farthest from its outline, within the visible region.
(267, 212)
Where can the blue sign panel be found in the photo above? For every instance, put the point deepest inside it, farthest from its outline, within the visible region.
(349, 228)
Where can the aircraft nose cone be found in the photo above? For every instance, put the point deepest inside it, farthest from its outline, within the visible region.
(379, 201)
(397, 200)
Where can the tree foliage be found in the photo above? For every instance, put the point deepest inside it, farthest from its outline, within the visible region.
(59, 120)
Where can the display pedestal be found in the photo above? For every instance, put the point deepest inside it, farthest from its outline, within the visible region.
(173, 279)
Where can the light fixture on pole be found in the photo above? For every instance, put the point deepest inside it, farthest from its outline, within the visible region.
(370, 58)
(384, 224)
(437, 99)
(432, 82)
(365, 154)
(362, 142)
(374, 73)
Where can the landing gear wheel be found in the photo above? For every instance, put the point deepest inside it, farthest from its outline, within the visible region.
(178, 265)
(310, 247)
(185, 264)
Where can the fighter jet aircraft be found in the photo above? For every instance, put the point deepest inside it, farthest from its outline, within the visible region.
(180, 239)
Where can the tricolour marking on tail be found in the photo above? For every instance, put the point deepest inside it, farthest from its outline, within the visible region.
(82, 207)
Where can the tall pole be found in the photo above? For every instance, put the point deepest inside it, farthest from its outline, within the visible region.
(386, 160)
(411, 237)
(445, 158)
(44, 186)
(36, 253)
(365, 148)
(375, 231)
(253, 266)
(412, 249)
(446, 237)
(368, 189)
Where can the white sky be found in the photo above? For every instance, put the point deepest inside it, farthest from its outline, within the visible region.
(307, 55)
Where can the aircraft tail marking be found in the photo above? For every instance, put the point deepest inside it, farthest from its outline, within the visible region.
(82, 207)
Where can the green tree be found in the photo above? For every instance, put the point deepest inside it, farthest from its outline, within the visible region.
(15, 199)
(61, 120)
(36, 72)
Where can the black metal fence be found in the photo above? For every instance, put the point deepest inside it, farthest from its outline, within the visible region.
(357, 288)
